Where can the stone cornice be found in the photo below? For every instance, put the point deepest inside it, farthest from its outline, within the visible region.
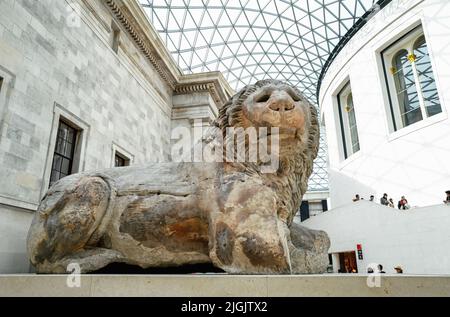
(133, 19)
(94, 12)
(213, 82)
(201, 87)
(130, 14)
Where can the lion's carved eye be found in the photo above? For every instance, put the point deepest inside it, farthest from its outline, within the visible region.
(263, 98)
(296, 98)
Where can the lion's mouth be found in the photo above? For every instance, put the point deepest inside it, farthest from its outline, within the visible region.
(283, 132)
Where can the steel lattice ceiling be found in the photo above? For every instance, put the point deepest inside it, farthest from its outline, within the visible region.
(249, 40)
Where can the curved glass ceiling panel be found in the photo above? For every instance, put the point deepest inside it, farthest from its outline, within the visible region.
(249, 40)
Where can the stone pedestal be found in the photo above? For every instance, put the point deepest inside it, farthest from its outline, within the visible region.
(223, 285)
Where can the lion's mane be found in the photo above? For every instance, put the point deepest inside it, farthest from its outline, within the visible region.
(291, 181)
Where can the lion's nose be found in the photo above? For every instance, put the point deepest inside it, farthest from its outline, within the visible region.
(281, 101)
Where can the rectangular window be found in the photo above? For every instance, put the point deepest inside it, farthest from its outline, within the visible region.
(413, 94)
(115, 41)
(324, 205)
(121, 160)
(120, 156)
(304, 210)
(347, 118)
(1, 83)
(64, 153)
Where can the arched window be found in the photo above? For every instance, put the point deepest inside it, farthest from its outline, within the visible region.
(349, 129)
(405, 87)
(426, 78)
(352, 124)
(411, 84)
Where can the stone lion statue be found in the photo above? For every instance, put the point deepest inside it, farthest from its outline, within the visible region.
(230, 214)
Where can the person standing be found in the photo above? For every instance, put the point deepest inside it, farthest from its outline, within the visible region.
(391, 203)
(447, 199)
(403, 204)
(384, 200)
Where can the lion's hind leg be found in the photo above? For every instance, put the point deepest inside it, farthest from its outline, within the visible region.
(68, 220)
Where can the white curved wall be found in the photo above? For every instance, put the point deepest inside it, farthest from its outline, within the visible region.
(414, 161)
(416, 239)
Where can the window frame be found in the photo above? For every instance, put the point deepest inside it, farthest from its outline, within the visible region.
(71, 159)
(406, 42)
(62, 114)
(121, 152)
(346, 140)
(7, 89)
(8, 80)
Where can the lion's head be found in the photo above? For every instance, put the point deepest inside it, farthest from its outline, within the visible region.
(276, 104)
(273, 103)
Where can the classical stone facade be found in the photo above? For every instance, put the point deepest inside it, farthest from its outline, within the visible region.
(99, 66)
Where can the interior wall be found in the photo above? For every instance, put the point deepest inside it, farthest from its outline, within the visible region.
(412, 161)
(416, 239)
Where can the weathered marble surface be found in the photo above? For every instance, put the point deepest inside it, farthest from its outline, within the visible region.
(170, 214)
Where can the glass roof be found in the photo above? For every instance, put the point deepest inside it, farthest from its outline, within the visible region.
(249, 40)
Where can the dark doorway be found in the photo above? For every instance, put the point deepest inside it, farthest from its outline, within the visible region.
(347, 261)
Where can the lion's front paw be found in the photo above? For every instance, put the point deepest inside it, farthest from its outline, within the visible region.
(307, 239)
(308, 250)
(307, 262)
